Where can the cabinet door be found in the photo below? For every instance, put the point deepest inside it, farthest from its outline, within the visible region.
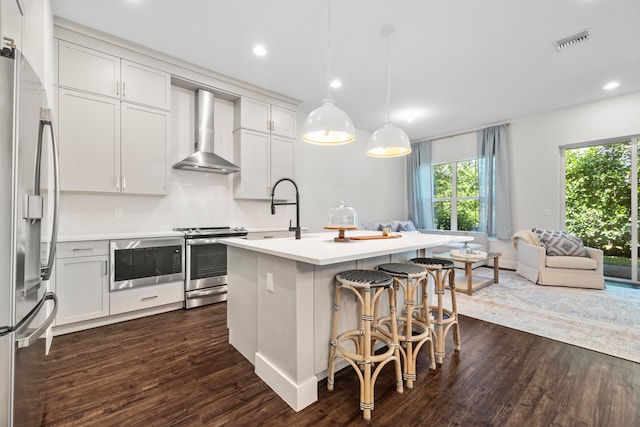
(254, 115)
(144, 150)
(283, 122)
(87, 69)
(282, 166)
(251, 152)
(146, 85)
(82, 287)
(89, 134)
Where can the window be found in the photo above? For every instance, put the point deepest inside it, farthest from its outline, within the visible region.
(455, 195)
(601, 199)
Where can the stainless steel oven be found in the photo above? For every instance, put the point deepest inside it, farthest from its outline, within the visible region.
(145, 262)
(206, 264)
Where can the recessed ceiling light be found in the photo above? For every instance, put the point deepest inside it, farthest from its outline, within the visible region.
(259, 50)
(611, 85)
(336, 84)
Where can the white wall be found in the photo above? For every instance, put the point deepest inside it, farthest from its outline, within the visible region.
(534, 151)
(375, 188)
(535, 156)
(325, 175)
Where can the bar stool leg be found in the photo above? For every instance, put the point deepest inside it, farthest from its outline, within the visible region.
(440, 337)
(334, 334)
(454, 309)
(424, 316)
(394, 333)
(366, 398)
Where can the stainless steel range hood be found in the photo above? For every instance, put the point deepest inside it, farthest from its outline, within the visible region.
(204, 159)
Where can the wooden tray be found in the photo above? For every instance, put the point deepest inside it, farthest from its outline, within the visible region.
(375, 236)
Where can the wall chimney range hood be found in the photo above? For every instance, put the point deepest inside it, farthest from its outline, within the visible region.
(204, 159)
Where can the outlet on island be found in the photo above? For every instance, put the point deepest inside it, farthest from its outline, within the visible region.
(269, 282)
(117, 212)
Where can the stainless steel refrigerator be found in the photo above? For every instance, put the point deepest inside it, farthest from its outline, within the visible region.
(27, 147)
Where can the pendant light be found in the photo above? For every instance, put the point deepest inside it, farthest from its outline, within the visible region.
(328, 124)
(389, 140)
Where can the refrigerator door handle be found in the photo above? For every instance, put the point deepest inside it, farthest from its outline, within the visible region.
(46, 119)
(33, 336)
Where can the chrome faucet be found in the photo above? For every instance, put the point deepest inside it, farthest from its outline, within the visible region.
(297, 203)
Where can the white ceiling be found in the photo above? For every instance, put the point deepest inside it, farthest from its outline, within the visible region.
(458, 64)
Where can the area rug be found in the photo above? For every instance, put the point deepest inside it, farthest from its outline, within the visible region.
(607, 321)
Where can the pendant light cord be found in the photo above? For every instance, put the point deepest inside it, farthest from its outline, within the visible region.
(328, 49)
(388, 30)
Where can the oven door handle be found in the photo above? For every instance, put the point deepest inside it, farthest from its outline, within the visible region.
(197, 242)
(206, 292)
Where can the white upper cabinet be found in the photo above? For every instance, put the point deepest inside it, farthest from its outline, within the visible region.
(144, 148)
(88, 70)
(111, 146)
(93, 71)
(11, 23)
(113, 127)
(263, 159)
(264, 117)
(283, 122)
(145, 85)
(89, 135)
(251, 153)
(264, 139)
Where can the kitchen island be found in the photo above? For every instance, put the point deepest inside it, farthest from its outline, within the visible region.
(280, 300)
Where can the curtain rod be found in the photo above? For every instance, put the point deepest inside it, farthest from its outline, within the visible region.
(466, 132)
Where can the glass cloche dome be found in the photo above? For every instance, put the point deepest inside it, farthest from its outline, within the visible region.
(342, 216)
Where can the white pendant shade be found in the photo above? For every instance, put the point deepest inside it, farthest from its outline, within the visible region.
(388, 141)
(328, 125)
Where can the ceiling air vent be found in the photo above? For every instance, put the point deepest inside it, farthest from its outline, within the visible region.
(572, 40)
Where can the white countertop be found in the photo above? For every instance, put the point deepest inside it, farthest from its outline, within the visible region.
(321, 249)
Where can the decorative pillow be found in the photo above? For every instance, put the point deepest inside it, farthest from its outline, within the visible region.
(406, 226)
(564, 245)
(369, 225)
(549, 233)
(385, 225)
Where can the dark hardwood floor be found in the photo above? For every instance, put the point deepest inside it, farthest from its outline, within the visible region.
(177, 369)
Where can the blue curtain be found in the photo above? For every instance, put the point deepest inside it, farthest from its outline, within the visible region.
(419, 184)
(493, 173)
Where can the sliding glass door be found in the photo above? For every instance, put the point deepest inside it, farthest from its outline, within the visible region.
(601, 201)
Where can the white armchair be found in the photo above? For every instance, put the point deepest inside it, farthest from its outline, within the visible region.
(571, 271)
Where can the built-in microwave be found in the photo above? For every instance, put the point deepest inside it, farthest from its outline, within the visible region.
(145, 262)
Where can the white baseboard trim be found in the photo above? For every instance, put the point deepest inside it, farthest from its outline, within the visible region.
(298, 396)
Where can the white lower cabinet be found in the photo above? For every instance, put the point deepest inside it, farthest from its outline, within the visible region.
(82, 281)
(133, 299)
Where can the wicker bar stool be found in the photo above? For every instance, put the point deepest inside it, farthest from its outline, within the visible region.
(367, 286)
(444, 319)
(413, 333)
